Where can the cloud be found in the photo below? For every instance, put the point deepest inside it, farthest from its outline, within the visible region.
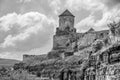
(86, 4)
(18, 55)
(98, 24)
(30, 30)
(85, 24)
(24, 1)
(46, 7)
(111, 3)
(55, 5)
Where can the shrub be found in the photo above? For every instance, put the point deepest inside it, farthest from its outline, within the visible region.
(97, 45)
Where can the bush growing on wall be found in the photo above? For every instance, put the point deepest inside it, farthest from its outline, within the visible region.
(97, 45)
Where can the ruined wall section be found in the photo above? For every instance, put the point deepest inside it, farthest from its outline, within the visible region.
(63, 42)
(60, 41)
(86, 39)
(68, 43)
(31, 58)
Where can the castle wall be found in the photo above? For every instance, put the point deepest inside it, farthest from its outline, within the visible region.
(31, 58)
(78, 40)
(67, 43)
(60, 41)
(86, 39)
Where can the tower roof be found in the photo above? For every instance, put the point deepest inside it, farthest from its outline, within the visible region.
(66, 13)
(91, 30)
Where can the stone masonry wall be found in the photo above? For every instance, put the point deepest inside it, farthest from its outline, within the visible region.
(31, 58)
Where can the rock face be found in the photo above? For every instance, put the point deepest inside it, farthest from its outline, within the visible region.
(105, 64)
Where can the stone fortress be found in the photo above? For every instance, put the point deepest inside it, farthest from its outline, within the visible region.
(67, 41)
(101, 62)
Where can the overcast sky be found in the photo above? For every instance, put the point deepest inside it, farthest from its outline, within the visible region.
(27, 26)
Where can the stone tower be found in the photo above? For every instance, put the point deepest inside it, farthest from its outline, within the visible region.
(64, 41)
(65, 33)
(66, 20)
(66, 23)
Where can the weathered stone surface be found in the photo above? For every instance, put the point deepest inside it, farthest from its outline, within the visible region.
(86, 40)
(34, 58)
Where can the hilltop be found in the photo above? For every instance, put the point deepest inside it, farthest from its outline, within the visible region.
(8, 62)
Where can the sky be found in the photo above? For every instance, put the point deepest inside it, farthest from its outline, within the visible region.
(28, 26)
